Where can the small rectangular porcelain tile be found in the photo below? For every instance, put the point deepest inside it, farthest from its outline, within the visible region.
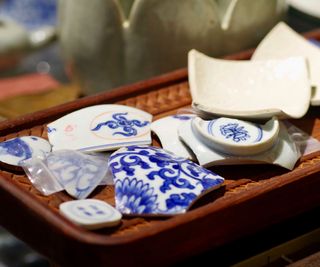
(90, 213)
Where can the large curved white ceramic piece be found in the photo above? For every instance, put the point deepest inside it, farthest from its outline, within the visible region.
(246, 89)
(283, 42)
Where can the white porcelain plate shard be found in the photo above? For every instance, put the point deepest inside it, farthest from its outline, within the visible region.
(284, 152)
(16, 150)
(167, 130)
(237, 137)
(100, 128)
(152, 181)
(90, 213)
(283, 42)
(246, 89)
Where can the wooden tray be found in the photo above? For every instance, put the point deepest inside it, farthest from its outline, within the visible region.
(255, 196)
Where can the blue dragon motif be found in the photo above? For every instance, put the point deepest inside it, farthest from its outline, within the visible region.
(234, 131)
(127, 126)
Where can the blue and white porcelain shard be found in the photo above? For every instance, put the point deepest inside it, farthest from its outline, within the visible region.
(282, 42)
(78, 173)
(284, 152)
(152, 181)
(249, 89)
(16, 150)
(91, 214)
(237, 137)
(167, 130)
(101, 128)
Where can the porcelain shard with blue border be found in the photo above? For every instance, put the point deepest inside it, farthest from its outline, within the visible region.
(237, 137)
(101, 128)
(14, 151)
(150, 180)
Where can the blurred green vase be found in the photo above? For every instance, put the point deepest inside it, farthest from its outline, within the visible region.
(115, 42)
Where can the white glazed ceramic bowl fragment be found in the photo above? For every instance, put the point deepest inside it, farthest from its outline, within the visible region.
(237, 137)
(249, 90)
(283, 42)
(167, 131)
(101, 128)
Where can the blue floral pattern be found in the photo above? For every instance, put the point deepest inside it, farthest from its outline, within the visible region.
(78, 174)
(150, 180)
(135, 196)
(235, 132)
(127, 126)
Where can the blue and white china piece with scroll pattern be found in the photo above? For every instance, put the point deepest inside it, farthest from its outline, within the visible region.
(78, 173)
(16, 150)
(237, 137)
(101, 128)
(284, 152)
(167, 130)
(152, 181)
(91, 214)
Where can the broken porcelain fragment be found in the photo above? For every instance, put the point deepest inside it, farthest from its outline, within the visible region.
(283, 42)
(150, 180)
(237, 137)
(16, 150)
(284, 152)
(91, 213)
(79, 174)
(249, 89)
(100, 128)
(167, 130)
